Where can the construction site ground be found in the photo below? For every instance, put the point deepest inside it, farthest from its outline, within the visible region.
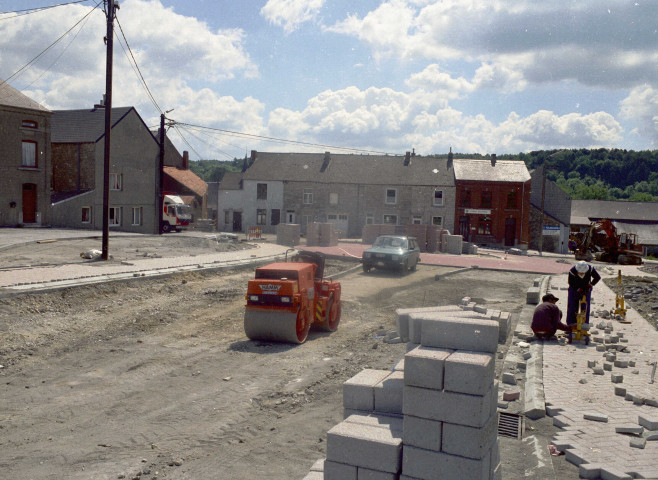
(153, 377)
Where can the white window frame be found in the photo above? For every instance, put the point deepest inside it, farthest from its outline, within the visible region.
(417, 220)
(136, 216)
(437, 202)
(29, 152)
(116, 183)
(440, 222)
(82, 216)
(114, 216)
(307, 196)
(395, 198)
(261, 216)
(333, 198)
(391, 216)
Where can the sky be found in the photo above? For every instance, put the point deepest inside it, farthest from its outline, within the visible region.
(389, 76)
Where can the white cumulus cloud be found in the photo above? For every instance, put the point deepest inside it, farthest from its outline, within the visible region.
(290, 14)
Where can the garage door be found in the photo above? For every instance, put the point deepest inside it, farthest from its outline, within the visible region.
(340, 223)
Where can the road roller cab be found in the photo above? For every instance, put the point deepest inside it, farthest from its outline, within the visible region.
(286, 298)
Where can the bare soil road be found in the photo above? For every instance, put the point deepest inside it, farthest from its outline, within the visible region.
(155, 379)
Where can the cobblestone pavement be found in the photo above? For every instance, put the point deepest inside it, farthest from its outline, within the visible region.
(579, 382)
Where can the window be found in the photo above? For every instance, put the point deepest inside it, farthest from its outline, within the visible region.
(115, 216)
(227, 217)
(437, 221)
(29, 124)
(275, 216)
(86, 215)
(333, 199)
(306, 219)
(308, 196)
(137, 216)
(261, 191)
(438, 198)
(485, 200)
(370, 218)
(511, 200)
(115, 181)
(391, 196)
(261, 216)
(466, 198)
(391, 219)
(416, 220)
(29, 154)
(484, 226)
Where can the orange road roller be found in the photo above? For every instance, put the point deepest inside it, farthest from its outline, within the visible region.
(286, 298)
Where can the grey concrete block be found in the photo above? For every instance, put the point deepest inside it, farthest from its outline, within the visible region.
(621, 363)
(318, 466)
(598, 371)
(429, 465)
(607, 366)
(424, 367)
(532, 296)
(403, 317)
(388, 393)
(314, 476)
(384, 421)
(422, 433)
(508, 378)
(364, 446)
(469, 442)
(616, 377)
(620, 391)
(634, 429)
(650, 423)
(359, 391)
(339, 471)
(368, 474)
(469, 372)
(480, 309)
(596, 417)
(460, 334)
(459, 408)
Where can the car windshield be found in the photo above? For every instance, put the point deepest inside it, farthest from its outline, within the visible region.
(390, 242)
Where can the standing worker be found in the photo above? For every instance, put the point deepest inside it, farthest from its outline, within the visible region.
(582, 277)
(547, 318)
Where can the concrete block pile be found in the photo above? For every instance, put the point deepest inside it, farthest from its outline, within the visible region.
(288, 234)
(434, 415)
(452, 244)
(321, 235)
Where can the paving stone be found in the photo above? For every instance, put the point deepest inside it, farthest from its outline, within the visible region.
(600, 348)
(508, 378)
(648, 422)
(575, 456)
(611, 473)
(634, 429)
(589, 470)
(596, 417)
(620, 391)
(638, 442)
(607, 367)
(621, 363)
(591, 363)
(511, 395)
(598, 371)
(318, 466)
(617, 378)
(314, 476)
(651, 436)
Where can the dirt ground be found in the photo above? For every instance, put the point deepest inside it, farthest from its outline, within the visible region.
(155, 379)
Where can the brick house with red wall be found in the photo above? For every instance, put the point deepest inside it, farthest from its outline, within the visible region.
(492, 205)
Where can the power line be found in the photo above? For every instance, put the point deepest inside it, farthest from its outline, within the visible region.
(28, 11)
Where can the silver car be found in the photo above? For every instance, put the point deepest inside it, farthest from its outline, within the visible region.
(393, 252)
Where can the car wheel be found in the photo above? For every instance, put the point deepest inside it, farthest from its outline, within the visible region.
(366, 268)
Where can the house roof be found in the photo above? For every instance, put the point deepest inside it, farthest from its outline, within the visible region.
(483, 170)
(83, 126)
(613, 210)
(349, 169)
(188, 179)
(231, 181)
(11, 97)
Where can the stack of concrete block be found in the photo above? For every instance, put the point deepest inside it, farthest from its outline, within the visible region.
(433, 238)
(321, 235)
(372, 231)
(420, 232)
(452, 244)
(288, 234)
(433, 416)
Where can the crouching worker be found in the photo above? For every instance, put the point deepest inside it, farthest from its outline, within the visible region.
(547, 318)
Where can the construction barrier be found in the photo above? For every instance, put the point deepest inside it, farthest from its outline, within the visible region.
(254, 232)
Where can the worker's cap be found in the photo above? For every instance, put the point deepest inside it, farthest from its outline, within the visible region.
(549, 297)
(582, 267)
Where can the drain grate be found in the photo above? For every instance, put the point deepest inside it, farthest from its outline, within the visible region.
(510, 425)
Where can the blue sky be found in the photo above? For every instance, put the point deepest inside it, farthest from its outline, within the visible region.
(486, 76)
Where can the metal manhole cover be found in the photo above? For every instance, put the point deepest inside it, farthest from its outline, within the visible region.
(510, 425)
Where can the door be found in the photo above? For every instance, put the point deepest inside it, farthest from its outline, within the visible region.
(465, 227)
(29, 203)
(276, 216)
(510, 231)
(237, 221)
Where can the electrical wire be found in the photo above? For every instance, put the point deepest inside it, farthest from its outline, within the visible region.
(28, 11)
(227, 155)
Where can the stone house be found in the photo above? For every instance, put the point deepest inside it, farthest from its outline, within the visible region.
(78, 138)
(25, 159)
(552, 227)
(184, 182)
(492, 202)
(349, 191)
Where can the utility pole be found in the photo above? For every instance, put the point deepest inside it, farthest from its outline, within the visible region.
(160, 200)
(543, 196)
(109, 41)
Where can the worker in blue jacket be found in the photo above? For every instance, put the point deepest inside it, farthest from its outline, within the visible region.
(582, 277)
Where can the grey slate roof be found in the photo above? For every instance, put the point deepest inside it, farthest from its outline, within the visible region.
(82, 126)
(11, 97)
(350, 169)
(231, 181)
(647, 234)
(613, 210)
(482, 170)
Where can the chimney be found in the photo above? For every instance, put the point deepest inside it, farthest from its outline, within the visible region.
(101, 104)
(450, 158)
(407, 159)
(413, 152)
(325, 162)
(493, 159)
(186, 160)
